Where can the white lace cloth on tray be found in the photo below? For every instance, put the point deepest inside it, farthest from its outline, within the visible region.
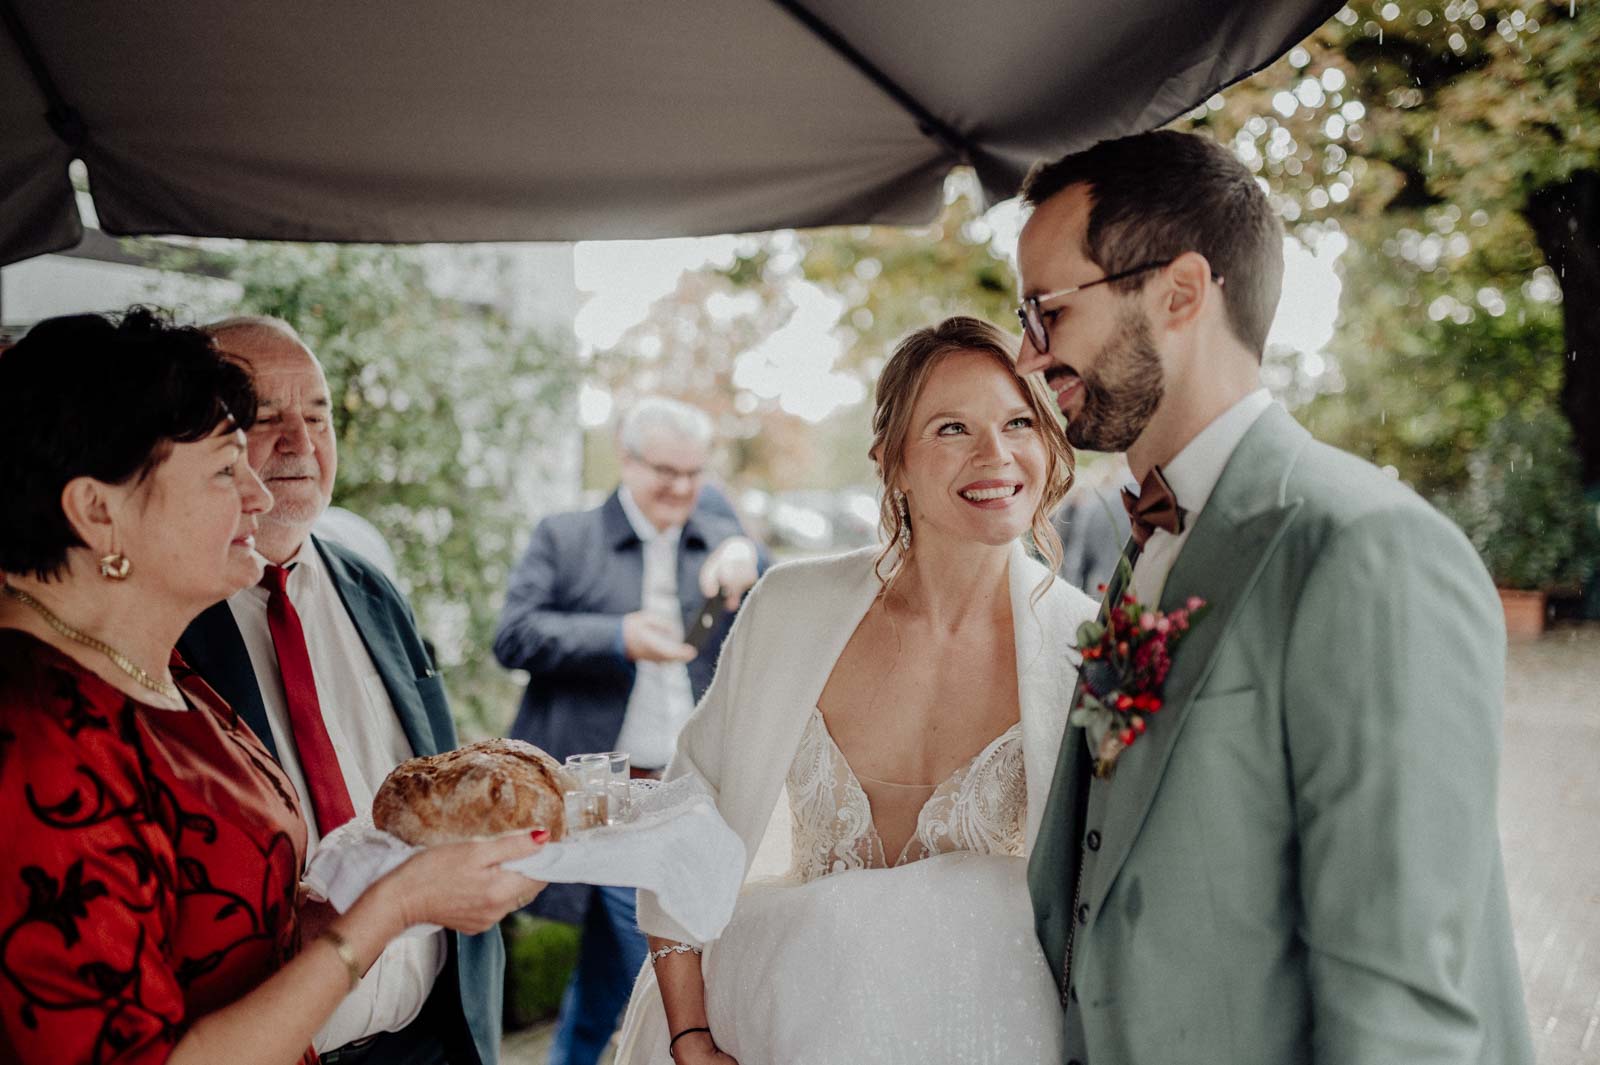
(673, 843)
(981, 808)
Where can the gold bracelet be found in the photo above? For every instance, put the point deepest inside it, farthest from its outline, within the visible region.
(346, 955)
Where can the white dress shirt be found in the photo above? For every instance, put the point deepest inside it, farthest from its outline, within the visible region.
(368, 741)
(1193, 474)
(662, 698)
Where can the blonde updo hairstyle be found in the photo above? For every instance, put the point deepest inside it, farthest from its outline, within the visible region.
(895, 396)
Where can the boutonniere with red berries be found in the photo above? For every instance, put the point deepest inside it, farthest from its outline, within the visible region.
(1126, 659)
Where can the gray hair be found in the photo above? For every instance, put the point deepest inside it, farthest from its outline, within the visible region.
(654, 415)
(254, 325)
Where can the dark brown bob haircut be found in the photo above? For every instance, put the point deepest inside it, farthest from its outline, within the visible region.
(89, 395)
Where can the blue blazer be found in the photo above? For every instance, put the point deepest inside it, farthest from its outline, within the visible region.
(214, 648)
(562, 622)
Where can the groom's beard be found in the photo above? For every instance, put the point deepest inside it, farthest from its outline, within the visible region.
(1121, 396)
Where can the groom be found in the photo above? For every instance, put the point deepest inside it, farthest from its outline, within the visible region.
(1299, 860)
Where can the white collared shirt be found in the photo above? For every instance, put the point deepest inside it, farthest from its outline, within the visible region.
(662, 698)
(368, 741)
(1193, 475)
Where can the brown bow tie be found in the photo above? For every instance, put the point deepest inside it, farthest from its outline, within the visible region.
(1155, 507)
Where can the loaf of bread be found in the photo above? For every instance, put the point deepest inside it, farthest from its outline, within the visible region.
(481, 790)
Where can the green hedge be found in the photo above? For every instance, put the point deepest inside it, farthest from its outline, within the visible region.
(540, 957)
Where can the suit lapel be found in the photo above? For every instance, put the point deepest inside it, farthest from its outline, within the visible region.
(1116, 588)
(214, 648)
(620, 563)
(371, 614)
(1121, 577)
(1055, 859)
(1231, 542)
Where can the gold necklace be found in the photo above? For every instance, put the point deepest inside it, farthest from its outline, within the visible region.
(120, 660)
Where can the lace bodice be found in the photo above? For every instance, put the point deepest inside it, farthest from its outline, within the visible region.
(980, 807)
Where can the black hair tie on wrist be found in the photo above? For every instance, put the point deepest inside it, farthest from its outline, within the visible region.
(687, 1031)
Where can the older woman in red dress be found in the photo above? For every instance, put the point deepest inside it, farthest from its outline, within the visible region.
(148, 883)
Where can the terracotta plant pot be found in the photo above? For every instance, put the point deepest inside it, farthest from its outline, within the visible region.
(1525, 613)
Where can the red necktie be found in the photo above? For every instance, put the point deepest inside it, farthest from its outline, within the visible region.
(1155, 507)
(330, 800)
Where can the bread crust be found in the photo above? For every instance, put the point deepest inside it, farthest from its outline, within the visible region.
(482, 790)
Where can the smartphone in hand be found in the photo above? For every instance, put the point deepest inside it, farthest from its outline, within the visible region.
(705, 619)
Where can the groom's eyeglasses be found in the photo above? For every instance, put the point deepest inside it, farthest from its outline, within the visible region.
(1032, 318)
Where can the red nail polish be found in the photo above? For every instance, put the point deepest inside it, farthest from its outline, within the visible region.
(540, 835)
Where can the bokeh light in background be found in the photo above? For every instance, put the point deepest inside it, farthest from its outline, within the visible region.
(794, 365)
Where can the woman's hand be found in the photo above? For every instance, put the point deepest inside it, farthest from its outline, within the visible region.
(698, 1048)
(461, 885)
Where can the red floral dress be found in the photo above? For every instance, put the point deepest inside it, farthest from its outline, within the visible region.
(149, 868)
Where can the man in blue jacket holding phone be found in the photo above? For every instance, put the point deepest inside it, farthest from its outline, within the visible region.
(617, 614)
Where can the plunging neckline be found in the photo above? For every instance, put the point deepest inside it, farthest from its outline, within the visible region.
(853, 784)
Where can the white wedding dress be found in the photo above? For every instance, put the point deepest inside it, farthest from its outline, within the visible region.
(927, 959)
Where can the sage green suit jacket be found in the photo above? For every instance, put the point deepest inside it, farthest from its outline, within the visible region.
(1300, 861)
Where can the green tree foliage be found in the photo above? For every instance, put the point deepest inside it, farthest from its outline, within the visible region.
(1462, 140)
(689, 347)
(1420, 391)
(893, 281)
(886, 282)
(1519, 510)
(438, 407)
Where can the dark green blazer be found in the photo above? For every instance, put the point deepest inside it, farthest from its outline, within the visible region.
(215, 649)
(1300, 861)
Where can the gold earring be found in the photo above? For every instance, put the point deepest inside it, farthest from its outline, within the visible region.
(115, 566)
(905, 520)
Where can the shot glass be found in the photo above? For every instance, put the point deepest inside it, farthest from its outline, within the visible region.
(618, 786)
(592, 775)
(584, 810)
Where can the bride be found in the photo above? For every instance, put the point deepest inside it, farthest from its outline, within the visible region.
(910, 701)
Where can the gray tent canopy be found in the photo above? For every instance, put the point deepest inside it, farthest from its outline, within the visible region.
(473, 121)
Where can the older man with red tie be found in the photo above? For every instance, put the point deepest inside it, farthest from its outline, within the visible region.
(324, 661)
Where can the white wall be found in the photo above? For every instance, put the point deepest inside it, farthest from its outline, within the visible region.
(50, 285)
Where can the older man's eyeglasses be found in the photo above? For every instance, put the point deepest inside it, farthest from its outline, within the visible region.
(668, 474)
(1032, 317)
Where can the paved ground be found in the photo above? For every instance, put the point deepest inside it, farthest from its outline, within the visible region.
(530, 1047)
(1550, 824)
